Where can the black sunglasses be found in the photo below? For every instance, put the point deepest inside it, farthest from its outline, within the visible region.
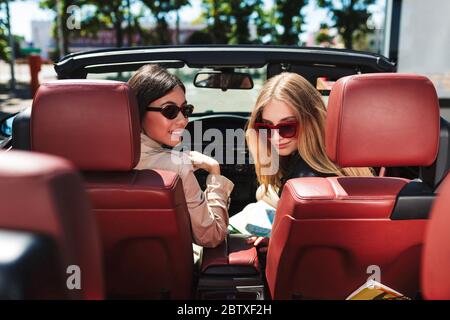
(171, 111)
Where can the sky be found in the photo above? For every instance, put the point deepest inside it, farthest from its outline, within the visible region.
(23, 12)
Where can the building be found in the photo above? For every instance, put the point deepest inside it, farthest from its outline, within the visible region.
(41, 37)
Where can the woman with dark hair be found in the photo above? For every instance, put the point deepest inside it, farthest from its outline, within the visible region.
(164, 112)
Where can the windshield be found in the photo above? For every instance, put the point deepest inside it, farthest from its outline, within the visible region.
(205, 99)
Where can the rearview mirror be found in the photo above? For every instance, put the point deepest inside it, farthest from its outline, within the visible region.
(223, 80)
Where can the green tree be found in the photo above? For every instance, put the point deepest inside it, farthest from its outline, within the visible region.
(350, 17)
(5, 50)
(241, 12)
(217, 15)
(177, 5)
(64, 15)
(323, 35)
(3, 37)
(117, 15)
(160, 9)
(200, 37)
(228, 21)
(3, 44)
(265, 21)
(282, 23)
(289, 17)
(97, 15)
(107, 14)
(146, 37)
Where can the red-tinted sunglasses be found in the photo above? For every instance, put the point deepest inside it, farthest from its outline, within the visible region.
(285, 129)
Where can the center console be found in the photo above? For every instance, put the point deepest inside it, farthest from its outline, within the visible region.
(231, 271)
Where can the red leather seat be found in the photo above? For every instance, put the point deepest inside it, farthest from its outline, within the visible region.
(44, 195)
(329, 234)
(142, 215)
(436, 254)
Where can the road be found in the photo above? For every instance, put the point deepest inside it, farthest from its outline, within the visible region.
(22, 98)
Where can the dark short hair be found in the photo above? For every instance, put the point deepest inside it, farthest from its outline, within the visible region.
(150, 83)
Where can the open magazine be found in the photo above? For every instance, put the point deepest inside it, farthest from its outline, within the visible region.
(255, 219)
(373, 290)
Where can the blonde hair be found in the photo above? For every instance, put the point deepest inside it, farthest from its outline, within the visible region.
(310, 112)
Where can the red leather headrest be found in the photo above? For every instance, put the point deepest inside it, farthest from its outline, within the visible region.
(26, 180)
(44, 194)
(94, 123)
(436, 254)
(384, 119)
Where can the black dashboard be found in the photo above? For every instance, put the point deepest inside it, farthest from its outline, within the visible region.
(222, 136)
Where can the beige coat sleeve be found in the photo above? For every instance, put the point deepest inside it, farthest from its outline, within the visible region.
(209, 209)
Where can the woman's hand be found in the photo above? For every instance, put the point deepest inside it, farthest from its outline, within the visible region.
(201, 161)
(261, 243)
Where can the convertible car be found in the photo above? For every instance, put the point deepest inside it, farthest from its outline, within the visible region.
(78, 222)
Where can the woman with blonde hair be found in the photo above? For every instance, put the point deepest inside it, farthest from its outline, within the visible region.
(286, 137)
